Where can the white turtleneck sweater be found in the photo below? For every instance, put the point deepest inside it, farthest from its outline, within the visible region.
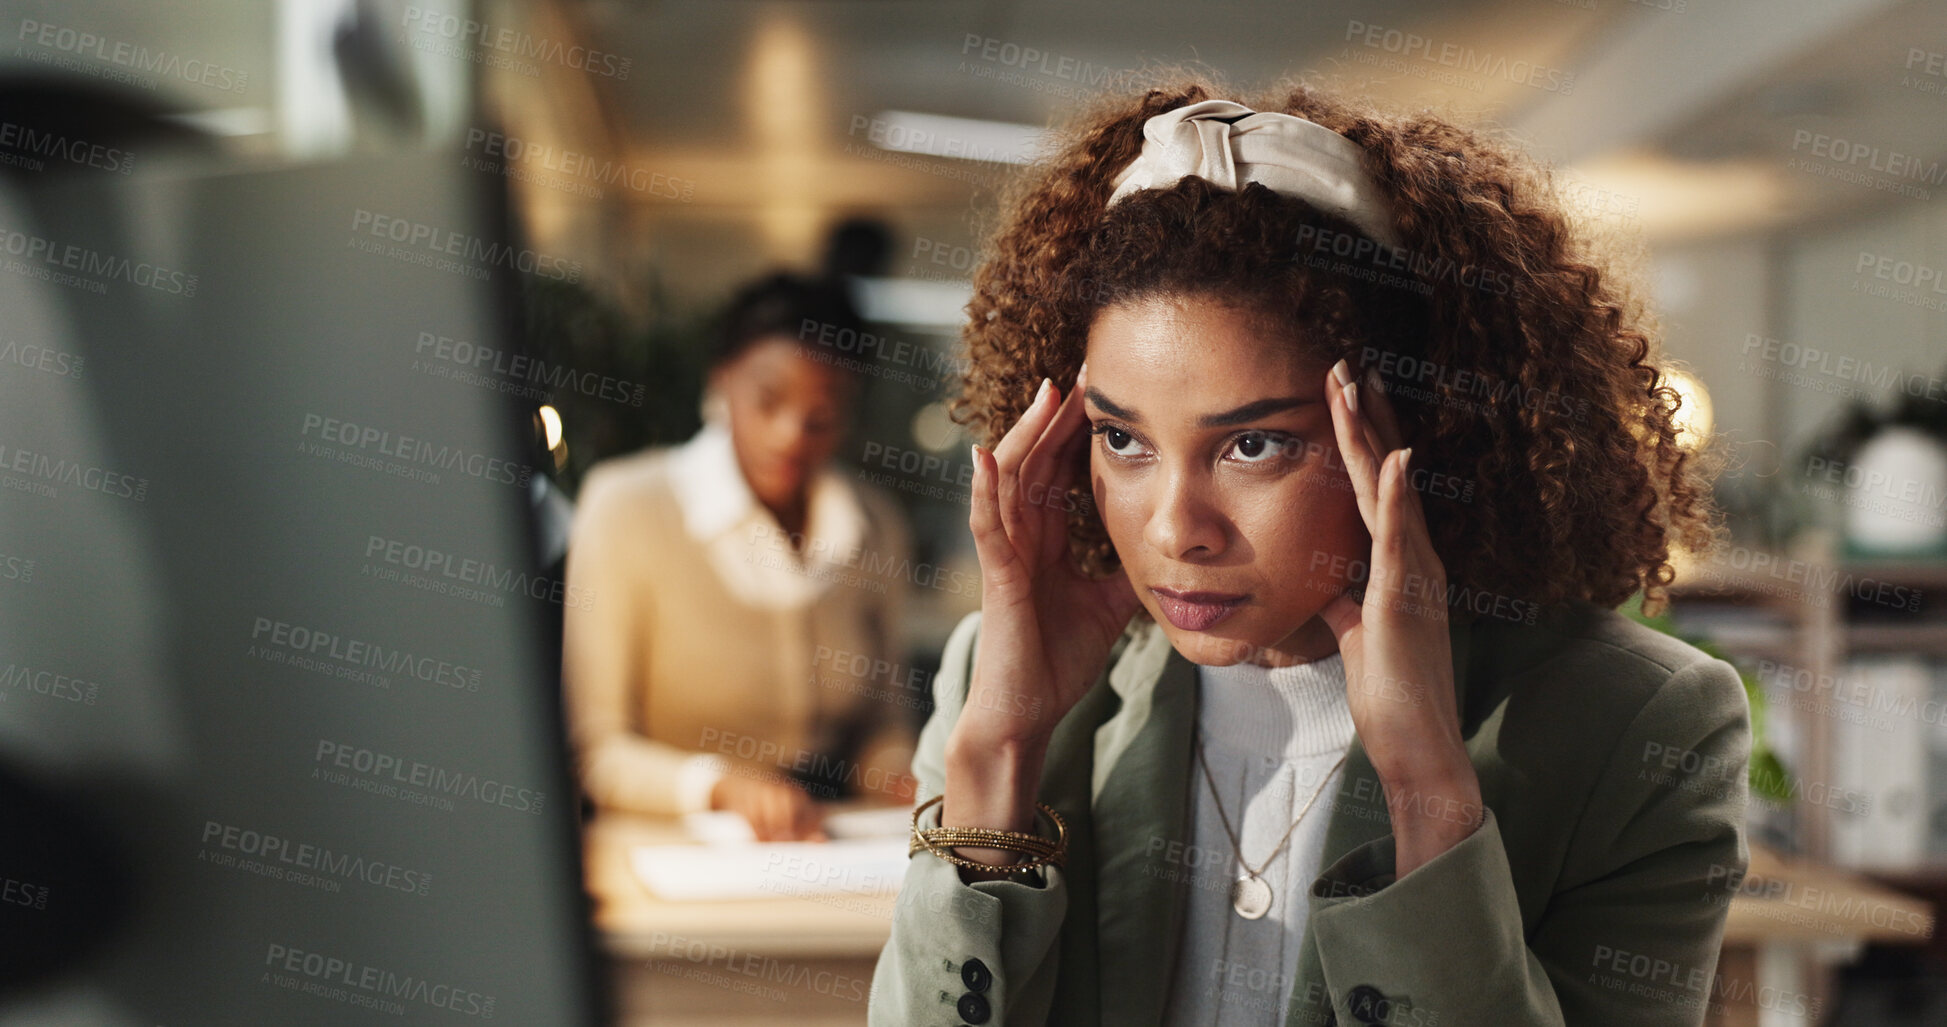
(1271, 737)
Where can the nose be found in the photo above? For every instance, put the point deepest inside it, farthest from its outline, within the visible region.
(1182, 524)
(793, 437)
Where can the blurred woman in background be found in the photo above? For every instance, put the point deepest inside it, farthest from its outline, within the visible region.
(737, 580)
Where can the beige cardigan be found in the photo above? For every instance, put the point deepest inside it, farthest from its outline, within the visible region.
(709, 633)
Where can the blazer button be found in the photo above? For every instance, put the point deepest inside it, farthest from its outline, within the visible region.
(1368, 1004)
(973, 1009)
(975, 975)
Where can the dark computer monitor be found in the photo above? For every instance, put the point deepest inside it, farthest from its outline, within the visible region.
(280, 739)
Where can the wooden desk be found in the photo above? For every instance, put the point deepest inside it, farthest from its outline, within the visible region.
(1798, 905)
(1798, 900)
(810, 961)
(802, 960)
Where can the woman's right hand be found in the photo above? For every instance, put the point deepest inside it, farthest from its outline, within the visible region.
(1046, 628)
(778, 811)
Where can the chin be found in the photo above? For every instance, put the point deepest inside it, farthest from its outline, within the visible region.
(776, 490)
(1228, 643)
(1210, 649)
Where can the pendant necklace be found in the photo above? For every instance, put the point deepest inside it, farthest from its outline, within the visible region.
(1250, 896)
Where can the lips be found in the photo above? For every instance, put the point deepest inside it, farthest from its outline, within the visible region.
(1196, 611)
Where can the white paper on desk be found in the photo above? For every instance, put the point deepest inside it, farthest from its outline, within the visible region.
(766, 870)
(884, 822)
(723, 826)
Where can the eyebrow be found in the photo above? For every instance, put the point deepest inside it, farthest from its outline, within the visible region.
(1242, 415)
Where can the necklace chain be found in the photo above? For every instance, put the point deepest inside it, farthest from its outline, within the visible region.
(1237, 844)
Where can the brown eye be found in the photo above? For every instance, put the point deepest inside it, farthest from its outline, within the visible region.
(1117, 442)
(1258, 447)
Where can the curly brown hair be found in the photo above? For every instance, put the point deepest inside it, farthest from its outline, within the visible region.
(1520, 361)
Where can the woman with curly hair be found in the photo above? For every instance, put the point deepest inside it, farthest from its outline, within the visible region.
(1319, 453)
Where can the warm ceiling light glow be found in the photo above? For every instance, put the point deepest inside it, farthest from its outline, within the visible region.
(1694, 417)
(933, 428)
(783, 109)
(1670, 200)
(914, 302)
(551, 427)
(937, 135)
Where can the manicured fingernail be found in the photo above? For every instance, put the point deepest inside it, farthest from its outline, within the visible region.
(1405, 458)
(1342, 374)
(1351, 391)
(1040, 392)
(1082, 372)
(973, 453)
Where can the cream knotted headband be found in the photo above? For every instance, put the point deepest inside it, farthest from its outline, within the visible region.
(1231, 145)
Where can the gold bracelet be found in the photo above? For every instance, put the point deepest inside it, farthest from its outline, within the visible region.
(941, 840)
(952, 838)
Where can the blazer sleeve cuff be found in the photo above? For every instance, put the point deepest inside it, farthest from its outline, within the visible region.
(966, 952)
(1387, 944)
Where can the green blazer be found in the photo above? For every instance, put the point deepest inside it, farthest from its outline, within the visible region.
(1612, 760)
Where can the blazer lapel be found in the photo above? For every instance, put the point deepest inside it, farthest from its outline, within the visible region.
(1141, 776)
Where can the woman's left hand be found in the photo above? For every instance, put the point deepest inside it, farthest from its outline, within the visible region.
(1398, 658)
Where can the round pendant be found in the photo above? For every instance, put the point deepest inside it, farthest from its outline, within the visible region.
(1251, 897)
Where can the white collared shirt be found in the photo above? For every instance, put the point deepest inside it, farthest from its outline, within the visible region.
(723, 515)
